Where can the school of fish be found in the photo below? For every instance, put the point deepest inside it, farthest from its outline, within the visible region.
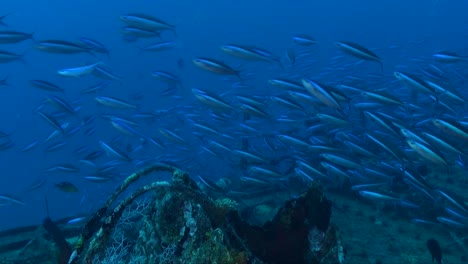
(392, 134)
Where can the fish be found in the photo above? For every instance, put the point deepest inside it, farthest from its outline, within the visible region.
(390, 149)
(67, 187)
(333, 120)
(9, 36)
(291, 56)
(383, 98)
(61, 47)
(449, 57)
(46, 85)
(341, 161)
(459, 204)
(96, 88)
(358, 51)
(97, 178)
(286, 84)
(446, 93)
(78, 71)
(114, 152)
(259, 171)
(159, 46)
(254, 111)
(61, 104)
(95, 46)
(146, 22)
(166, 77)
(211, 185)
(113, 102)
(105, 73)
(378, 196)
(380, 120)
(30, 146)
(215, 67)
(6, 56)
(287, 102)
(435, 250)
(38, 183)
(211, 99)
(68, 168)
(172, 136)
(56, 146)
(413, 81)
(132, 32)
(334, 170)
(51, 121)
(321, 93)
(125, 128)
(249, 53)
(427, 153)
(5, 198)
(450, 129)
(248, 156)
(442, 144)
(79, 220)
(304, 40)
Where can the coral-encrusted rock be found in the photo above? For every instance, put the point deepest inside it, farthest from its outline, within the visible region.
(184, 225)
(299, 233)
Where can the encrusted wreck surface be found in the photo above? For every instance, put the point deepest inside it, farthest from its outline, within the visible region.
(178, 222)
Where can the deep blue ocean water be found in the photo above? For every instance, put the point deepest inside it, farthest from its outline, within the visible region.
(201, 26)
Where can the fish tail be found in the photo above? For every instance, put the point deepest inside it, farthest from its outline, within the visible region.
(238, 74)
(32, 36)
(21, 58)
(90, 52)
(436, 95)
(280, 63)
(174, 31)
(3, 22)
(140, 50)
(108, 54)
(5, 82)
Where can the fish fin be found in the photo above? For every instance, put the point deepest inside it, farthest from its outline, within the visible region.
(31, 35)
(3, 22)
(108, 54)
(21, 58)
(238, 74)
(5, 82)
(174, 31)
(170, 90)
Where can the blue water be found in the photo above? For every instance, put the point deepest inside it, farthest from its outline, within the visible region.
(202, 26)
